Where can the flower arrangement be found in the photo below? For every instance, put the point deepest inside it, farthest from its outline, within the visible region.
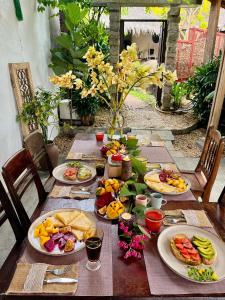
(113, 84)
(64, 81)
(132, 242)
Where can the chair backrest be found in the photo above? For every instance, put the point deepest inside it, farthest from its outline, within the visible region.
(34, 142)
(210, 159)
(19, 172)
(7, 212)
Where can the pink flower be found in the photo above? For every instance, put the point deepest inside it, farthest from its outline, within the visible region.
(132, 253)
(123, 245)
(123, 227)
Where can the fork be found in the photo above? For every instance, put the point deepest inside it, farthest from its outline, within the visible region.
(59, 271)
(175, 221)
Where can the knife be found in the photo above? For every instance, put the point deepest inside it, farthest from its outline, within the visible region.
(80, 192)
(61, 280)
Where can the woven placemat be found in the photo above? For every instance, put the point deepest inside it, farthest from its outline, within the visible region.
(28, 279)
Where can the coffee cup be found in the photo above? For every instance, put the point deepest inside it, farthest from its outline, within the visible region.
(141, 200)
(157, 200)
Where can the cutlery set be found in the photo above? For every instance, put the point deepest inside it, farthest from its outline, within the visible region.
(59, 272)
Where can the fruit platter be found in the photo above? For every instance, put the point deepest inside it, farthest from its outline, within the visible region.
(113, 147)
(167, 182)
(193, 253)
(108, 204)
(61, 232)
(74, 172)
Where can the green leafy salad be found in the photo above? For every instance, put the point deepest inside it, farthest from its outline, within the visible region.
(202, 274)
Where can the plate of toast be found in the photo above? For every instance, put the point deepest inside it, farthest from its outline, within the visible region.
(61, 232)
(74, 173)
(193, 253)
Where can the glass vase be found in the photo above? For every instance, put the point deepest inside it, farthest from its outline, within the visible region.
(116, 122)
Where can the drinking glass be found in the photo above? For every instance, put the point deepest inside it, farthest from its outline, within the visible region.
(154, 220)
(93, 248)
(99, 136)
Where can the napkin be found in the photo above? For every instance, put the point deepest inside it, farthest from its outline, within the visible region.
(191, 217)
(81, 156)
(60, 191)
(28, 278)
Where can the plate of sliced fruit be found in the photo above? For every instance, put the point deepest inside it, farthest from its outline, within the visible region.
(167, 182)
(113, 147)
(108, 204)
(193, 253)
(74, 172)
(61, 232)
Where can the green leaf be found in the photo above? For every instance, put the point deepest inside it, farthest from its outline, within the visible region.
(138, 167)
(125, 192)
(78, 53)
(139, 211)
(140, 187)
(64, 40)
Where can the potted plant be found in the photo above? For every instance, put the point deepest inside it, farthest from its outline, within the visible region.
(41, 110)
(86, 108)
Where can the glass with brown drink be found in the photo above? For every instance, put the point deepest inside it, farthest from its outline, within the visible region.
(93, 248)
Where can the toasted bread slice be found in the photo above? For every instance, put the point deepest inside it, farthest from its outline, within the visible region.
(84, 174)
(70, 173)
(81, 222)
(67, 216)
(78, 234)
(56, 222)
(153, 177)
(178, 254)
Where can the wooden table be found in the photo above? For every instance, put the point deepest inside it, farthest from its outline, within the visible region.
(125, 275)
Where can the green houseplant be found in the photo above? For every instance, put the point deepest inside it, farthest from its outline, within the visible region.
(82, 30)
(178, 91)
(41, 110)
(200, 87)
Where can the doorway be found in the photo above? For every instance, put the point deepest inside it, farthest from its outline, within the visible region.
(151, 45)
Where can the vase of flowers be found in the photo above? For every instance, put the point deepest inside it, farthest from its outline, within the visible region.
(112, 85)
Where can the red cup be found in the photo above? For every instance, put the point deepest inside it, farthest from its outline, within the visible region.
(154, 220)
(99, 136)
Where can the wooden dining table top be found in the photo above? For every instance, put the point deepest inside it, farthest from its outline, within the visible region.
(129, 279)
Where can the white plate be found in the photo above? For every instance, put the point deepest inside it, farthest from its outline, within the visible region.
(56, 252)
(177, 266)
(187, 182)
(59, 171)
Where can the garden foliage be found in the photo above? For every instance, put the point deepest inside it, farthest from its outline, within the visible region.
(200, 87)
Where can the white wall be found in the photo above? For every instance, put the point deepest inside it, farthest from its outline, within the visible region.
(20, 41)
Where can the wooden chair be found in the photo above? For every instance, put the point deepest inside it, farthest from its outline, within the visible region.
(34, 142)
(221, 199)
(7, 212)
(202, 179)
(19, 172)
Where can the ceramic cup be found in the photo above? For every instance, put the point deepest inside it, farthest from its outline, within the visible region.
(141, 200)
(157, 200)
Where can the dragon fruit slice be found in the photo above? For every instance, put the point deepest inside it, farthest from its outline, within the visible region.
(69, 236)
(49, 245)
(61, 243)
(56, 236)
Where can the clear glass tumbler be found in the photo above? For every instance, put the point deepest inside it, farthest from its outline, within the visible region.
(93, 248)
